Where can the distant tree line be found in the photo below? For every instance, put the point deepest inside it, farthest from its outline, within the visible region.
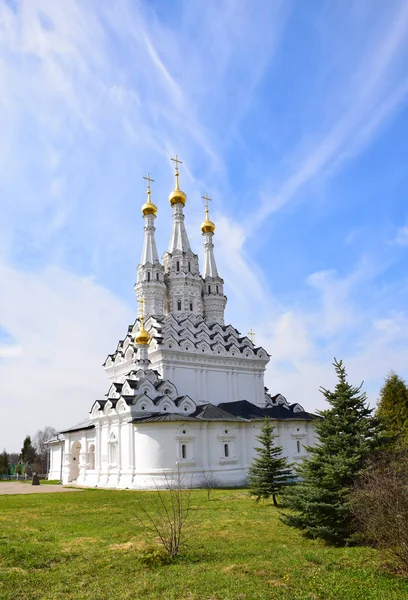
(352, 488)
(33, 457)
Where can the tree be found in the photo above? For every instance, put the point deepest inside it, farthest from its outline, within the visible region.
(167, 515)
(4, 463)
(379, 502)
(208, 482)
(270, 471)
(28, 454)
(392, 410)
(39, 443)
(346, 434)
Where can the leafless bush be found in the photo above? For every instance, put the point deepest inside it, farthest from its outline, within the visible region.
(167, 516)
(209, 482)
(380, 504)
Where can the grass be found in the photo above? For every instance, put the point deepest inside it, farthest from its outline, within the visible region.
(86, 545)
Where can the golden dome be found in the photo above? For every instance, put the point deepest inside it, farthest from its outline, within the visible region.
(149, 208)
(143, 336)
(177, 196)
(207, 226)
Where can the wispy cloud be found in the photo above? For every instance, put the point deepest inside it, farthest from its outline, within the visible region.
(374, 93)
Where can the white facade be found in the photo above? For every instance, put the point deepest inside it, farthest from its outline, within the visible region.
(193, 398)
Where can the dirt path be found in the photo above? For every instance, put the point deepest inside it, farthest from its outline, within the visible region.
(27, 488)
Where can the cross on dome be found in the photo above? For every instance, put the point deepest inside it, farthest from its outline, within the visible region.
(207, 226)
(148, 207)
(251, 335)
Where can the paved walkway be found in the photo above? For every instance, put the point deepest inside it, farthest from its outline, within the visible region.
(27, 488)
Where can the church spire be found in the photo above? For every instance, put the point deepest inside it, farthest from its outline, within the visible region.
(181, 272)
(179, 239)
(150, 286)
(213, 285)
(208, 228)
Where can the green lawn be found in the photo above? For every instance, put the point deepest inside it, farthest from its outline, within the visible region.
(86, 545)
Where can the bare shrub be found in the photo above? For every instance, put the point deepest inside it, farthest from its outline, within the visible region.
(379, 502)
(167, 516)
(209, 482)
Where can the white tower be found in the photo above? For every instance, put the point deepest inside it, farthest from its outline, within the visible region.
(213, 286)
(181, 271)
(150, 287)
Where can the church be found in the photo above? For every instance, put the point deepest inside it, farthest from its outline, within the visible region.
(186, 391)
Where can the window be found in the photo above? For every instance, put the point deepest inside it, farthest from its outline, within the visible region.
(209, 289)
(216, 287)
(226, 450)
(113, 450)
(157, 276)
(148, 275)
(183, 450)
(178, 266)
(191, 306)
(298, 446)
(178, 304)
(92, 456)
(189, 267)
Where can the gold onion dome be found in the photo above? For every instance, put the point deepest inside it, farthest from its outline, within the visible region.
(143, 336)
(177, 196)
(149, 208)
(207, 226)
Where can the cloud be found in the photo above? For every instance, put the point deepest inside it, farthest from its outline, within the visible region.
(374, 93)
(63, 326)
(401, 239)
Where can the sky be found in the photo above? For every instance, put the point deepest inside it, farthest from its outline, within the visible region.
(293, 116)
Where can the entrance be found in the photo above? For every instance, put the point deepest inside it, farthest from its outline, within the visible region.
(74, 464)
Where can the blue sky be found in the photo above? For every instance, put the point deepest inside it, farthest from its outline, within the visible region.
(292, 115)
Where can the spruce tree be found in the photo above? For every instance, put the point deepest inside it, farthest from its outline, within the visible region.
(28, 453)
(4, 463)
(346, 434)
(270, 471)
(392, 410)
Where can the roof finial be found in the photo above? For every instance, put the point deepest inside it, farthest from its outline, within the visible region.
(148, 207)
(176, 167)
(177, 196)
(208, 226)
(143, 336)
(251, 335)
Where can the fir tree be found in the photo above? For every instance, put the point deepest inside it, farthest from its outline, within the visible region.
(270, 471)
(346, 435)
(392, 410)
(4, 463)
(28, 453)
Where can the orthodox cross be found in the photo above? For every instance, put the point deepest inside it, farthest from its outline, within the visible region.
(251, 335)
(177, 162)
(149, 180)
(207, 200)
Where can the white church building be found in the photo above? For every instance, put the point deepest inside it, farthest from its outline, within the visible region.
(186, 391)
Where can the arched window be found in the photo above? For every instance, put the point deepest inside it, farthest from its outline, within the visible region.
(189, 267)
(148, 275)
(216, 287)
(178, 304)
(209, 289)
(178, 266)
(113, 450)
(226, 450)
(157, 276)
(298, 446)
(91, 460)
(183, 450)
(191, 306)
